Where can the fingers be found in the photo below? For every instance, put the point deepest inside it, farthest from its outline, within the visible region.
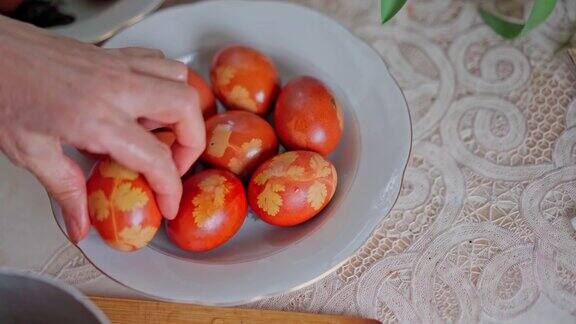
(184, 156)
(149, 124)
(152, 62)
(63, 179)
(159, 67)
(134, 147)
(176, 105)
(190, 142)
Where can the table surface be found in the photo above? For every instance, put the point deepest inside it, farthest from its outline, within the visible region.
(482, 230)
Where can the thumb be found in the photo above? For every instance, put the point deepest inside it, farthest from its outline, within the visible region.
(65, 181)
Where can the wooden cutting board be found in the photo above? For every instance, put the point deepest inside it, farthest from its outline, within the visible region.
(131, 311)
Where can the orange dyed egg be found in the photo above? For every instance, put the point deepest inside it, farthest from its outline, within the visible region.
(292, 187)
(122, 206)
(212, 209)
(244, 79)
(165, 135)
(307, 116)
(205, 95)
(238, 141)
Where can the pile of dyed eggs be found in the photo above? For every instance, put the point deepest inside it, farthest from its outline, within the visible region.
(242, 166)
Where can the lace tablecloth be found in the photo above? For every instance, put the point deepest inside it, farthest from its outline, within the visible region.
(482, 230)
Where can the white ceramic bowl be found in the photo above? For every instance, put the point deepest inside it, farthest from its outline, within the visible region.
(30, 298)
(262, 260)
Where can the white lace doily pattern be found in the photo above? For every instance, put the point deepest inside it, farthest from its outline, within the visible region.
(482, 229)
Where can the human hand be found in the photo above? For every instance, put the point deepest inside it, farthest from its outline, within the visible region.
(57, 91)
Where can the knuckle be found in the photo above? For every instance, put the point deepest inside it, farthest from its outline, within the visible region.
(175, 63)
(92, 146)
(125, 50)
(191, 101)
(114, 51)
(161, 159)
(156, 52)
(11, 151)
(67, 192)
(102, 121)
(183, 68)
(36, 146)
(96, 134)
(15, 158)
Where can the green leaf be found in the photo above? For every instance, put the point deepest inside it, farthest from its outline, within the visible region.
(388, 8)
(540, 11)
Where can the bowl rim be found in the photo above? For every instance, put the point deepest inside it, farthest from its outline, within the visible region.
(66, 288)
(107, 29)
(356, 248)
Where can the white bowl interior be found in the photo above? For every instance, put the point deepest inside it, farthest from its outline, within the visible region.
(257, 239)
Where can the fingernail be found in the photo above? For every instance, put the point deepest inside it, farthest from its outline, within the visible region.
(170, 216)
(166, 206)
(182, 169)
(72, 228)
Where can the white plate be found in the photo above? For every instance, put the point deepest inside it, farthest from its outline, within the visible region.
(96, 20)
(262, 260)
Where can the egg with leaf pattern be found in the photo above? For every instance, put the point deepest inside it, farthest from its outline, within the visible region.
(212, 209)
(308, 117)
(244, 79)
(292, 187)
(121, 206)
(239, 142)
